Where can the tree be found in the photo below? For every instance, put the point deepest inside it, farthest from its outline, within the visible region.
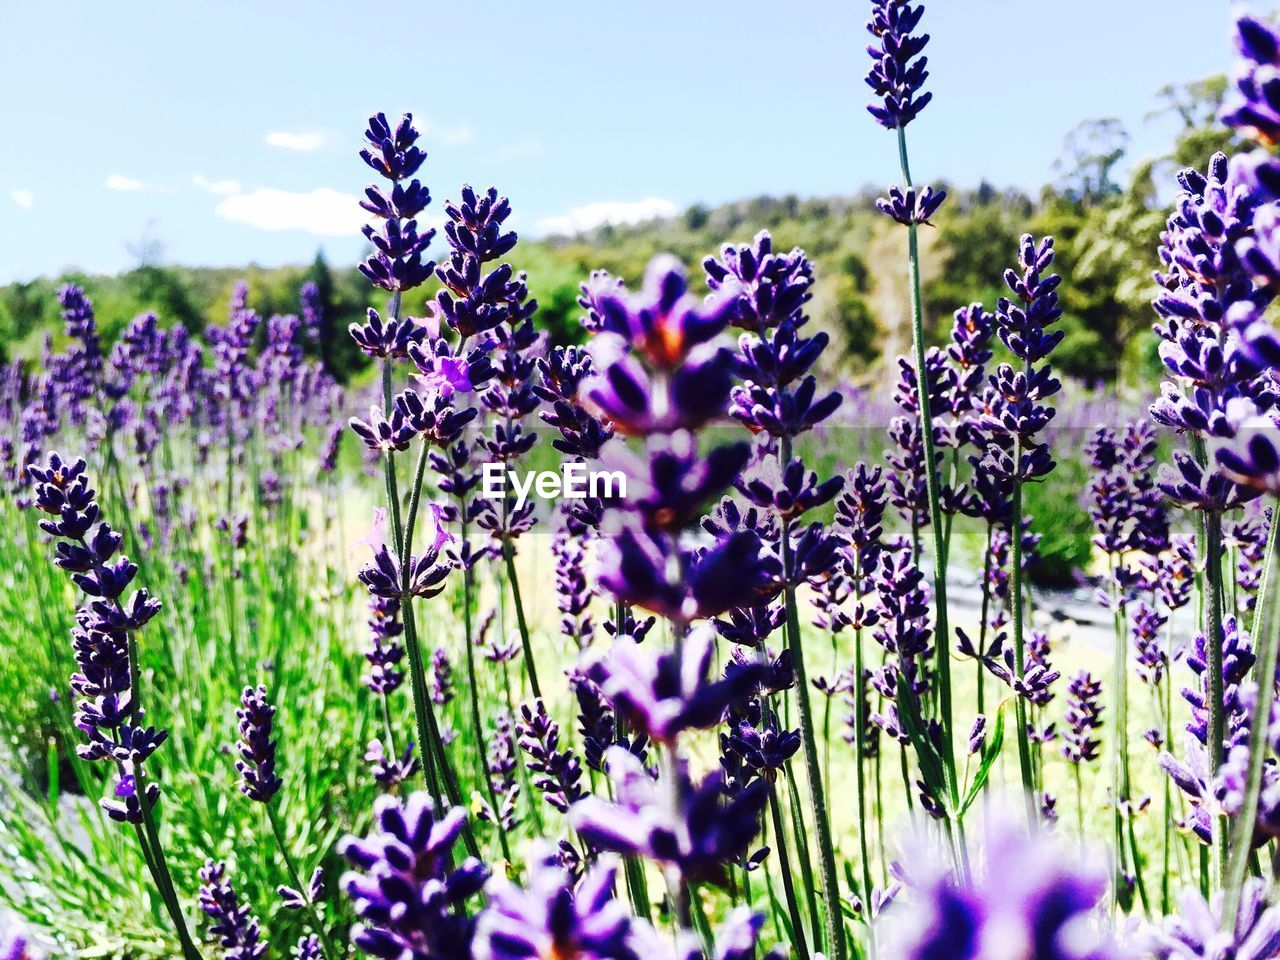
(1196, 105)
(1090, 154)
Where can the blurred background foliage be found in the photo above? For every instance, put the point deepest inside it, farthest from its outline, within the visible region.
(1105, 210)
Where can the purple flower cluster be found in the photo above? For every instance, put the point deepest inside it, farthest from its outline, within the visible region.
(694, 831)
(553, 917)
(501, 769)
(663, 693)
(659, 374)
(385, 652)
(1196, 930)
(556, 773)
(766, 293)
(107, 713)
(1028, 898)
(396, 263)
(238, 931)
(898, 72)
(1018, 409)
(1083, 717)
(573, 590)
(405, 886)
(257, 763)
(1125, 505)
(1208, 308)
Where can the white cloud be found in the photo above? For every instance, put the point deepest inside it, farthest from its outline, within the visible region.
(223, 188)
(118, 181)
(593, 215)
(304, 141)
(520, 150)
(23, 198)
(323, 212)
(453, 137)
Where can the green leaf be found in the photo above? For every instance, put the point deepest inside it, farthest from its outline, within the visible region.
(989, 754)
(931, 766)
(51, 763)
(780, 914)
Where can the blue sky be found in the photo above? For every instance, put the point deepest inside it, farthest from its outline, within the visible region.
(226, 132)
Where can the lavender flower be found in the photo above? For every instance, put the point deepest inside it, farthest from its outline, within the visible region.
(663, 693)
(1149, 654)
(257, 763)
(750, 626)
(563, 371)
(1083, 716)
(501, 768)
(1123, 500)
(573, 592)
(396, 263)
(858, 525)
(390, 771)
(16, 947)
(1020, 411)
(554, 917)
(403, 886)
(1195, 931)
(1237, 660)
(657, 369)
(88, 549)
(735, 940)
(902, 624)
(237, 929)
(390, 338)
(385, 653)
(1208, 292)
(907, 206)
(763, 749)
(696, 838)
(424, 578)
(897, 76)
(1032, 900)
(1254, 105)
(557, 773)
(78, 374)
(472, 301)
(234, 380)
(768, 288)
(777, 396)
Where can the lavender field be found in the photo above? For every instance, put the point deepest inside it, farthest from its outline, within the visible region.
(668, 633)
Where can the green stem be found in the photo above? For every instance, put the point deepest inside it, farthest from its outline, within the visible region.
(942, 632)
(813, 772)
(1120, 754)
(1019, 648)
(1268, 654)
(473, 689)
(788, 885)
(1213, 631)
(509, 555)
(152, 850)
(164, 879)
(860, 734)
(800, 836)
(312, 914)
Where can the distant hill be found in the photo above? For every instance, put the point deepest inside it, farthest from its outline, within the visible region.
(860, 259)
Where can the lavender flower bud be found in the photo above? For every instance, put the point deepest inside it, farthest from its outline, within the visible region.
(257, 763)
(237, 929)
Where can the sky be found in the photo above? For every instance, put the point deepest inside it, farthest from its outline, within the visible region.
(224, 133)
